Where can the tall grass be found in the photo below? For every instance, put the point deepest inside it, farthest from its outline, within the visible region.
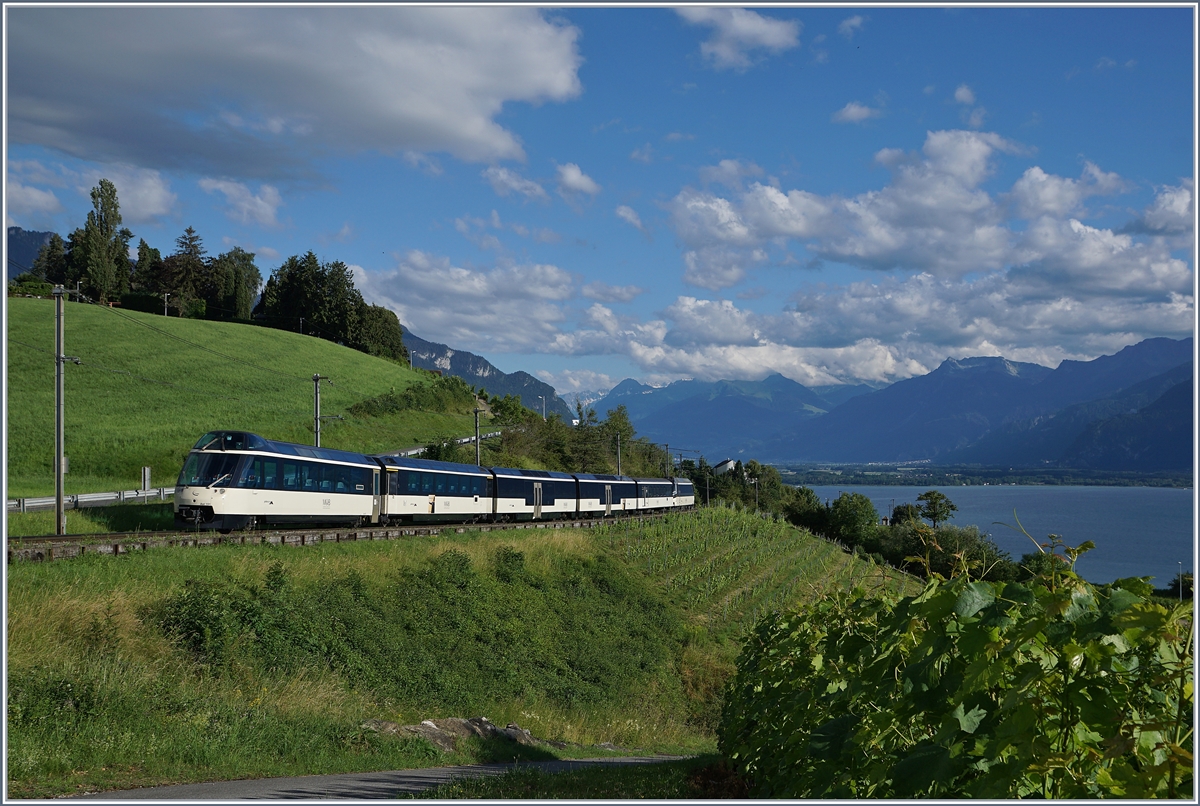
(237, 661)
(162, 394)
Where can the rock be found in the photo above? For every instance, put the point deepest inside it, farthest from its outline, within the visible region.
(445, 733)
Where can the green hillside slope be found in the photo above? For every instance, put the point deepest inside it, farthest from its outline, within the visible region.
(178, 665)
(150, 386)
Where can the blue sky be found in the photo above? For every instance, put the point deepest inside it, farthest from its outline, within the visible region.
(836, 194)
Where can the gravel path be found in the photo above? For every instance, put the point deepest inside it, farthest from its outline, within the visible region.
(351, 786)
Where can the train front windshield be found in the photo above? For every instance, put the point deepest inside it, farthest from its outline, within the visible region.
(210, 469)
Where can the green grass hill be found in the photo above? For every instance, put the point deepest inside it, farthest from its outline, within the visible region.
(149, 386)
(216, 663)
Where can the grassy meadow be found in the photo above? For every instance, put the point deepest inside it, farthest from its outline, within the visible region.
(143, 394)
(178, 665)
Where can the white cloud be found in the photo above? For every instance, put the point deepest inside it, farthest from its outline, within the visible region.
(964, 95)
(729, 173)
(244, 206)
(572, 180)
(25, 200)
(603, 292)
(1038, 193)
(850, 26)
(738, 32)
(504, 181)
(630, 216)
(1173, 211)
(578, 380)
(507, 308)
(259, 103)
(854, 112)
(644, 154)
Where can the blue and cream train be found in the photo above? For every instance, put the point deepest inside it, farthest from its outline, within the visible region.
(237, 480)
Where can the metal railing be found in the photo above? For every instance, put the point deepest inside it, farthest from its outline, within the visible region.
(91, 499)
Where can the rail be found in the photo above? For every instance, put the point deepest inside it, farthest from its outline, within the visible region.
(92, 499)
(61, 547)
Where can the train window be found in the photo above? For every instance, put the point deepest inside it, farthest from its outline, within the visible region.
(451, 485)
(250, 473)
(439, 483)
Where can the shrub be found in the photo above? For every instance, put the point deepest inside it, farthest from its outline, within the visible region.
(1053, 688)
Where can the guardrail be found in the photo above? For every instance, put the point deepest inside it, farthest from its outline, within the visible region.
(91, 499)
(463, 441)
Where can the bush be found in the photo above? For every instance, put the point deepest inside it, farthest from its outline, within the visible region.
(1052, 689)
(446, 394)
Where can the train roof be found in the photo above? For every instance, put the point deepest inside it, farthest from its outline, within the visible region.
(536, 474)
(403, 462)
(603, 477)
(246, 441)
(654, 481)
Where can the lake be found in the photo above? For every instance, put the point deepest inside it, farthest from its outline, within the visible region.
(1138, 531)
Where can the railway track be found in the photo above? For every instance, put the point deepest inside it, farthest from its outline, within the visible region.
(61, 547)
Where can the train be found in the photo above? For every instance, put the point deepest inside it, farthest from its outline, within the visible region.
(235, 480)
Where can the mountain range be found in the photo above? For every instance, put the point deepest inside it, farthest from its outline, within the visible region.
(479, 372)
(23, 248)
(1130, 410)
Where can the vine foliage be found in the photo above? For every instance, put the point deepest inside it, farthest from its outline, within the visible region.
(1049, 688)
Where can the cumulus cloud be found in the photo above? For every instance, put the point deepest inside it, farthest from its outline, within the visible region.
(1172, 212)
(104, 83)
(1038, 193)
(246, 207)
(854, 112)
(729, 173)
(578, 380)
(851, 25)
(630, 216)
(644, 154)
(738, 32)
(504, 182)
(603, 292)
(572, 180)
(964, 95)
(23, 200)
(507, 308)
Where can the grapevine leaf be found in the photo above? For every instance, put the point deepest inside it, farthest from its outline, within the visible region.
(970, 720)
(974, 598)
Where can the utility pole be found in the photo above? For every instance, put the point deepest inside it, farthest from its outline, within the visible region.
(317, 418)
(618, 453)
(60, 515)
(477, 410)
(301, 325)
(165, 295)
(543, 399)
(667, 461)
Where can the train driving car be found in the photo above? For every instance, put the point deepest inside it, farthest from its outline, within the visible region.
(534, 494)
(685, 493)
(604, 495)
(238, 480)
(655, 493)
(423, 490)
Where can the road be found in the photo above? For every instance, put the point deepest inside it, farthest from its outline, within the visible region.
(351, 786)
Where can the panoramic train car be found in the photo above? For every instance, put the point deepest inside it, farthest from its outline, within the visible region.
(534, 494)
(655, 493)
(685, 493)
(604, 495)
(236, 480)
(422, 490)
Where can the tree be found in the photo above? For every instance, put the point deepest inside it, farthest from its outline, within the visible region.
(148, 272)
(805, 509)
(905, 513)
(101, 251)
(852, 516)
(185, 272)
(233, 282)
(936, 507)
(380, 334)
(322, 294)
(50, 264)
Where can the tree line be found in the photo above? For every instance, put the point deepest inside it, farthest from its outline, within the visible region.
(304, 294)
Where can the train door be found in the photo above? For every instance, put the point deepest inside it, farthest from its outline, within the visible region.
(607, 499)
(537, 500)
(375, 498)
